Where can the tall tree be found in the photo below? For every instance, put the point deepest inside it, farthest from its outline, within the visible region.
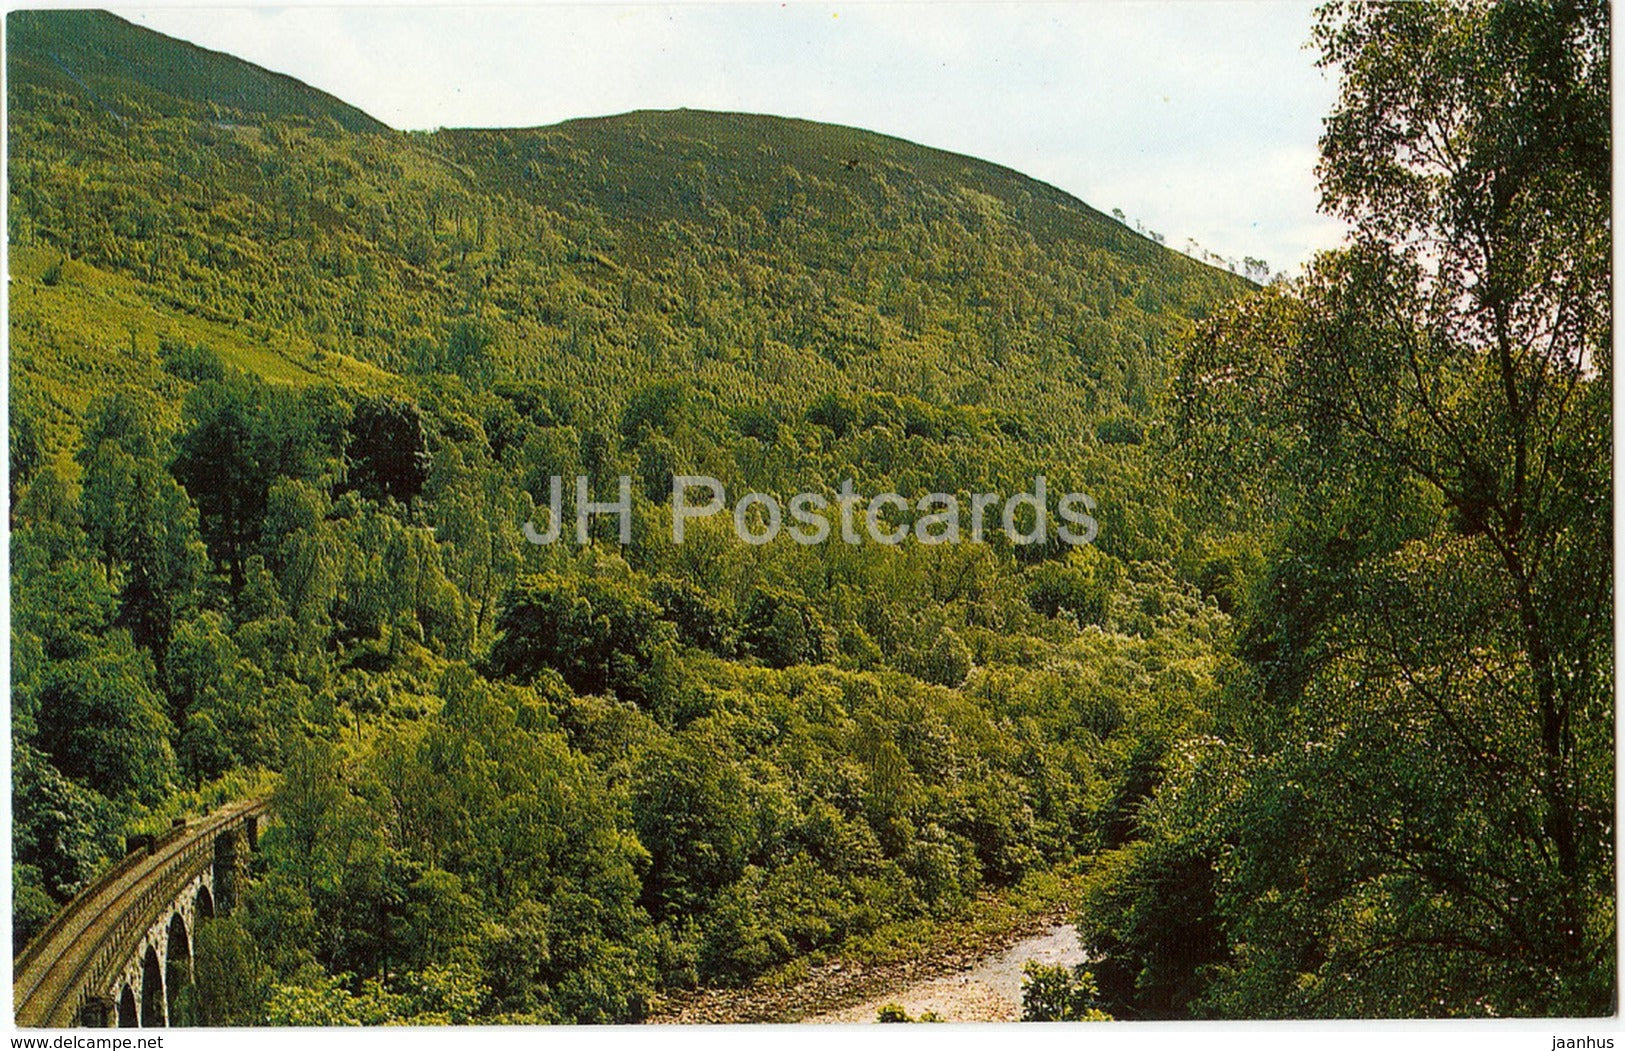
(1431, 698)
(103, 725)
(139, 519)
(388, 450)
(238, 436)
(220, 463)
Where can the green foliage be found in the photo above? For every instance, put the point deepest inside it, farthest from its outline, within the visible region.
(783, 629)
(32, 906)
(194, 363)
(1053, 993)
(1408, 810)
(102, 723)
(661, 408)
(1077, 588)
(237, 435)
(229, 975)
(286, 385)
(24, 447)
(139, 520)
(702, 620)
(1150, 923)
(65, 832)
(219, 702)
(96, 56)
(398, 864)
(315, 999)
(895, 1013)
(946, 663)
(388, 450)
(600, 634)
(692, 808)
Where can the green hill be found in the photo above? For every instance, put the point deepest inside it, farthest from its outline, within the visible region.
(286, 385)
(677, 164)
(870, 261)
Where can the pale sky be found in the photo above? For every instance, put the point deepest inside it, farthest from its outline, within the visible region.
(1198, 119)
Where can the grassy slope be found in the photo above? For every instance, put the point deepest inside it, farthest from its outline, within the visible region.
(78, 330)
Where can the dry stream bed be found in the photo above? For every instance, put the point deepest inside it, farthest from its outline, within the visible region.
(958, 984)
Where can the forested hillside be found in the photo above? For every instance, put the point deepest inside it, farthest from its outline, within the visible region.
(286, 385)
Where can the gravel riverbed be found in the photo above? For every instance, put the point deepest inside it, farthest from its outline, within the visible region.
(988, 991)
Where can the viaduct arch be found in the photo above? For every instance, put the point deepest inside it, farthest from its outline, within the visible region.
(121, 952)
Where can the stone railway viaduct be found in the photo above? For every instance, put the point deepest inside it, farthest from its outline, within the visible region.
(120, 952)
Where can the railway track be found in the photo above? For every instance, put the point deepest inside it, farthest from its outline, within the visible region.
(82, 949)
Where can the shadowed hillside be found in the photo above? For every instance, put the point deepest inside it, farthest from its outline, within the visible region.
(131, 71)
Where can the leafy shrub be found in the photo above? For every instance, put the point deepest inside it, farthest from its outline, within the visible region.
(1054, 993)
(1078, 588)
(599, 634)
